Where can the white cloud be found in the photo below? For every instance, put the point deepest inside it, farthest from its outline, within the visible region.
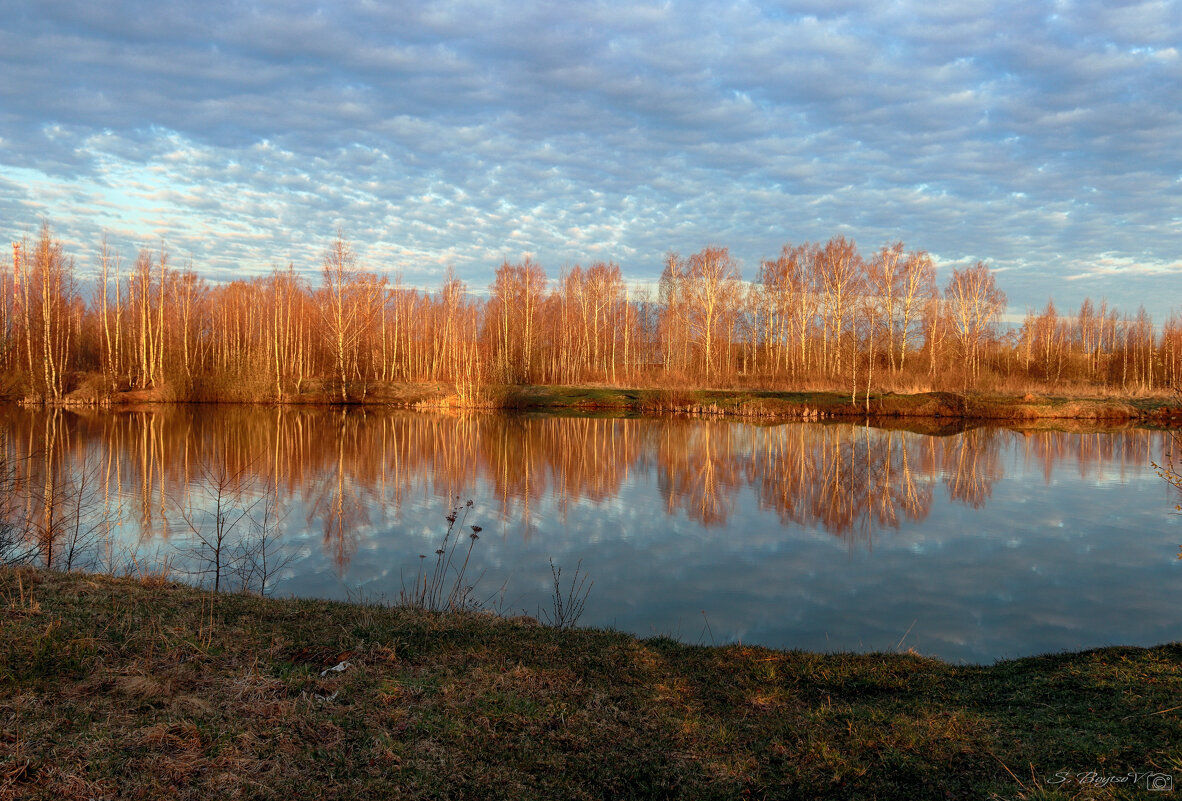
(1040, 137)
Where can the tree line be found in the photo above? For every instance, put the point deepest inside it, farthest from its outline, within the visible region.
(818, 316)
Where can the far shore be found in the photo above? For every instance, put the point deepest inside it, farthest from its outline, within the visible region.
(1161, 409)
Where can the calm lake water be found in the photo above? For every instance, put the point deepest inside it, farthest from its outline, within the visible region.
(968, 546)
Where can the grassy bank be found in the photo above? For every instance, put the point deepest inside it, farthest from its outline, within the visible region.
(833, 405)
(134, 689)
(1162, 409)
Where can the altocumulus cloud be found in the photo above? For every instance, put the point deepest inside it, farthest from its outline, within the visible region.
(1042, 137)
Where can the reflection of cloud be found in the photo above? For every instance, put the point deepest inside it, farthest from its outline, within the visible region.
(817, 536)
(1037, 137)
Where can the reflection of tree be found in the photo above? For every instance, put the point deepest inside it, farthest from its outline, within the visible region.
(335, 499)
(1095, 452)
(571, 459)
(352, 468)
(841, 479)
(55, 500)
(844, 479)
(510, 448)
(588, 458)
(972, 465)
(893, 493)
(915, 498)
(699, 466)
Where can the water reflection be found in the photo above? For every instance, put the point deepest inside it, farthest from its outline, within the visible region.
(344, 467)
(376, 482)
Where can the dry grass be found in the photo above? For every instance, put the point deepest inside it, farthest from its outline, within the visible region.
(115, 688)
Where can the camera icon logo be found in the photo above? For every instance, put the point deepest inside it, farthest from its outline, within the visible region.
(1161, 782)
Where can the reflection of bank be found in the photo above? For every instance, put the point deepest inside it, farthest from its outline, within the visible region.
(351, 469)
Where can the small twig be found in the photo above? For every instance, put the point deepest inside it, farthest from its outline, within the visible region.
(909, 628)
(1151, 714)
(706, 629)
(995, 756)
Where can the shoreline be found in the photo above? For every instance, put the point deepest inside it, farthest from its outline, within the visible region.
(120, 687)
(770, 405)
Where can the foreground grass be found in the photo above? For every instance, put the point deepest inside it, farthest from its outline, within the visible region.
(113, 688)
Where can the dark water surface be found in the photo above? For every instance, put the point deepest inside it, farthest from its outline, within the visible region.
(968, 546)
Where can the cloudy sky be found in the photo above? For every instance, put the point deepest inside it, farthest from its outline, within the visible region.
(1043, 138)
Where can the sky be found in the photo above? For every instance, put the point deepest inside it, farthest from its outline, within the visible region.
(1044, 138)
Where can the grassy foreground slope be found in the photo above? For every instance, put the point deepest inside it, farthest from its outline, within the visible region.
(116, 688)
